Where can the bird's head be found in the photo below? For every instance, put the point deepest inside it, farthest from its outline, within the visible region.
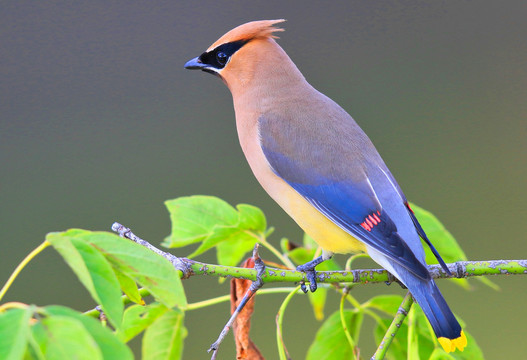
(235, 56)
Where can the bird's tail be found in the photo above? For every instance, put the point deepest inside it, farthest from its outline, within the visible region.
(443, 321)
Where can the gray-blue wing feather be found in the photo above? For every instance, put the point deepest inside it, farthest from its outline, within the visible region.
(329, 171)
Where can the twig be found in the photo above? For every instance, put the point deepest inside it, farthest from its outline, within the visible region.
(394, 327)
(460, 269)
(181, 264)
(257, 284)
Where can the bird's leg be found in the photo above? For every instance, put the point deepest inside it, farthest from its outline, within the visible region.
(309, 269)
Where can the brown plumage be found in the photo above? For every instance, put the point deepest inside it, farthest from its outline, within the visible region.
(251, 30)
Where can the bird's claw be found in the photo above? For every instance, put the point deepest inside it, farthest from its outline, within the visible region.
(303, 286)
(311, 278)
(311, 274)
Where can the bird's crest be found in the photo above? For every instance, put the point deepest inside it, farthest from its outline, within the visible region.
(249, 31)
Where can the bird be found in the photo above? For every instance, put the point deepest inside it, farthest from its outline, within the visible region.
(315, 161)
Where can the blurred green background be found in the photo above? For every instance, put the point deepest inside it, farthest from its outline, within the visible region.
(99, 122)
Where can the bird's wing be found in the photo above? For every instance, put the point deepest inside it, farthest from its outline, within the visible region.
(314, 168)
(385, 172)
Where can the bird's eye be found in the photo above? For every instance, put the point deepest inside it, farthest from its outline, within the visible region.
(222, 58)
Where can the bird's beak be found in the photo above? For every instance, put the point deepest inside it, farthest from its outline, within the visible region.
(195, 64)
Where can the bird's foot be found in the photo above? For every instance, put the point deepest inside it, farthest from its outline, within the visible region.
(309, 269)
(311, 278)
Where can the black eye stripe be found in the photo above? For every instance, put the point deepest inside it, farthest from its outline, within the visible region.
(211, 58)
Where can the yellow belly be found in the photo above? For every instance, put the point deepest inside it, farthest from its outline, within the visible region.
(328, 235)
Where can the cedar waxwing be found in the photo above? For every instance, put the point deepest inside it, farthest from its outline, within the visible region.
(321, 168)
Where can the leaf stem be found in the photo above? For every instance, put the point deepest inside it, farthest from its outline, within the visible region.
(351, 342)
(352, 258)
(225, 298)
(351, 299)
(21, 266)
(374, 316)
(285, 260)
(394, 327)
(282, 351)
(12, 305)
(412, 340)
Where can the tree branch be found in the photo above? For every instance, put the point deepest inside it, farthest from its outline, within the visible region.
(460, 269)
(394, 327)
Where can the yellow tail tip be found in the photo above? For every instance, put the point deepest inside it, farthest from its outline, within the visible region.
(450, 345)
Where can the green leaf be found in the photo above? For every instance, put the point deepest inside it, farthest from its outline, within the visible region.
(104, 282)
(251, 218)
(440, 354)
(137, 317)
(67, 338)
(424, 334)
(94, 271)
(413, 335)
(388, 304)
(285, 245)
(301, 255)
(251, 224)
(224, 234)
(194, 218)
(129, 287)
(164, 338)
(215, 223)
(109, 345)
(232, 252)
(234, 241)
(330, 341)
(73, 258)
(318, 302)
(150, 270)
(37, 342)
(308, 242)
(445, 243)
(14, 331)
